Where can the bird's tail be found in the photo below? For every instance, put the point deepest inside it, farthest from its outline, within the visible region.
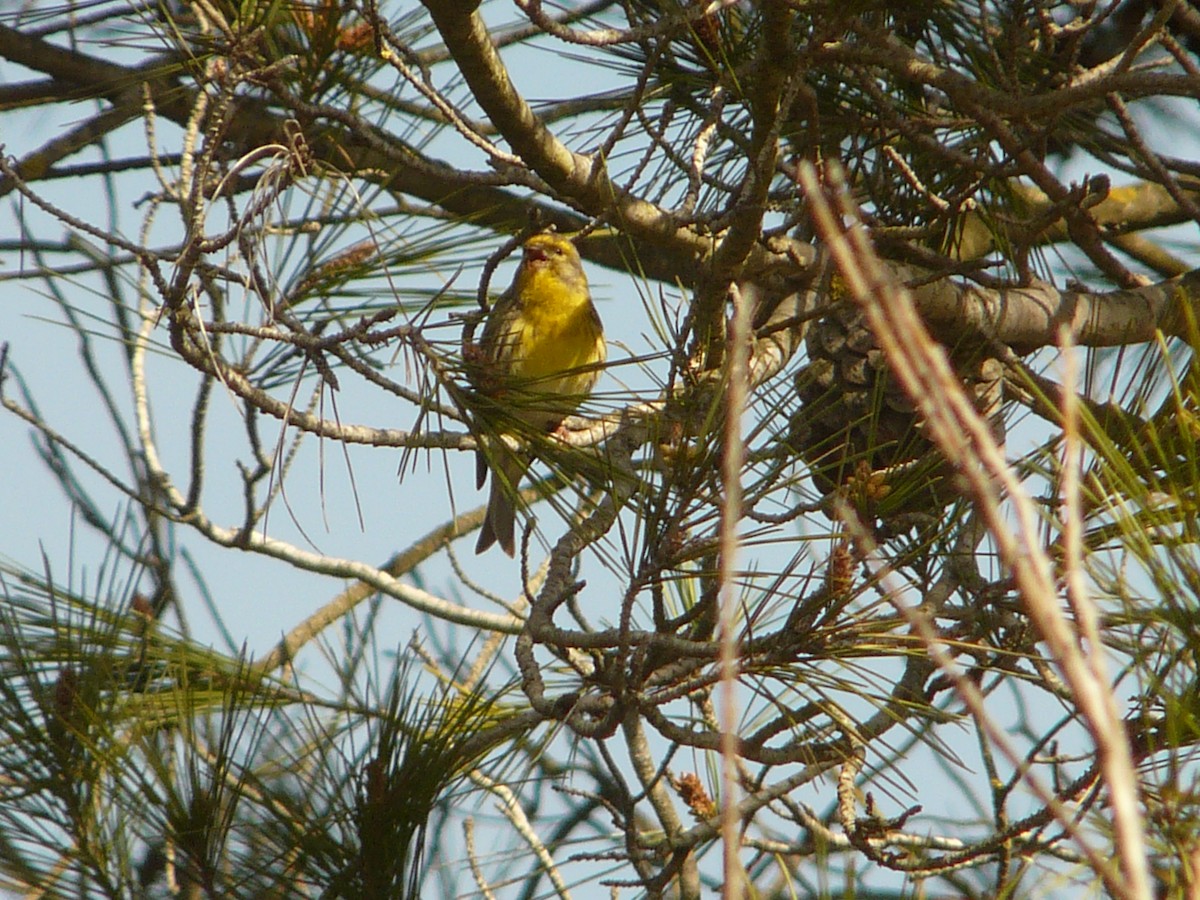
(499, 527)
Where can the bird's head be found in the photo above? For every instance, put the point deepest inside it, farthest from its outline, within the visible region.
(553, 253)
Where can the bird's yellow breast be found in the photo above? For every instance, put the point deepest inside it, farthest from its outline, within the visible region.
(558, 332)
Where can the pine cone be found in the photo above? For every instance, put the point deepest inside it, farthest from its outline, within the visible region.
(859, 431)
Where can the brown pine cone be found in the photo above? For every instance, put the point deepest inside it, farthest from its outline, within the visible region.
(859, 431)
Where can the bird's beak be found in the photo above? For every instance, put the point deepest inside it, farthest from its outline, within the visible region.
(535, 254)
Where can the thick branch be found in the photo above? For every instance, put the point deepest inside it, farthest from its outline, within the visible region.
(573, 175)
(1026, 318)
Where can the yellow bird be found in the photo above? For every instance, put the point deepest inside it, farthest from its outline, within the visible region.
(542, 348)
